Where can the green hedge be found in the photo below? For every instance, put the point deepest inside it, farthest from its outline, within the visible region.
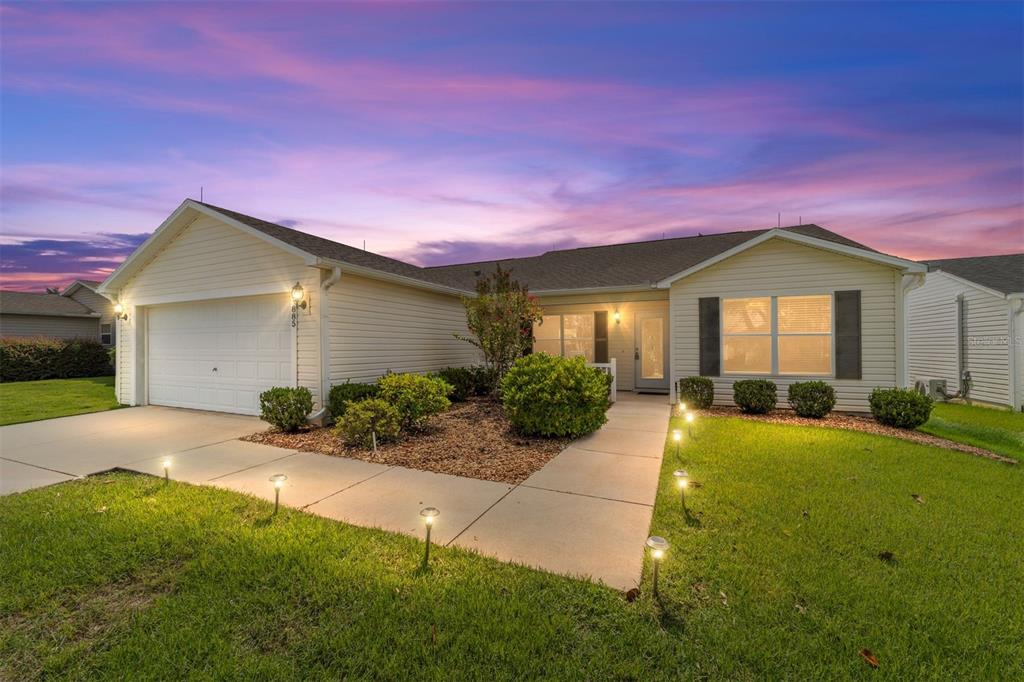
(340, 396)
(286, 408)
(698, 392)
(903, 408)
(755, 396)
(43, 358)
(367, 417)
(416, 397)
(813, 399)
(546, 395)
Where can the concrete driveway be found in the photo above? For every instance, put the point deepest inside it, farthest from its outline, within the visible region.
(586, 513)
(55, 450)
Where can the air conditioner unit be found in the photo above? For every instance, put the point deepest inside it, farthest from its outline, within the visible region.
(937, 389)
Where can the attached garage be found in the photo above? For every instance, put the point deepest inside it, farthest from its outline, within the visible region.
(221, 354)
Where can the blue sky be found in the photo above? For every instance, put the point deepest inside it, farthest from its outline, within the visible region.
(444, 132)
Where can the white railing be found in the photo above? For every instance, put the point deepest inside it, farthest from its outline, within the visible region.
(609, 368)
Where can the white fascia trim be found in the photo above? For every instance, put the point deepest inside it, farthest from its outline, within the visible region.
(593, 290)
(973, 285)
(824, 244)
(371, 273)
(283, 288)
(173, 225)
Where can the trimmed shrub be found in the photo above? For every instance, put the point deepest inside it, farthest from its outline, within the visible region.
(45, 358)
(484, 380)
(343, 394)
(286, 408)
(546, 395)
(416, 397)
(755, 396)
(811, 398)
(462, 380)
(903, 408)
(696, 391)
(366, 417)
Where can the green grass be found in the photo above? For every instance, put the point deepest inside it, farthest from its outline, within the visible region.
(29, 401)
(998, 430)
(774, 574)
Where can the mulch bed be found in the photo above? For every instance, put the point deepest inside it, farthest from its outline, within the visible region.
(472, 439)
(855, 422)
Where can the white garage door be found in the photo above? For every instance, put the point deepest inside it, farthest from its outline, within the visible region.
(219, 355)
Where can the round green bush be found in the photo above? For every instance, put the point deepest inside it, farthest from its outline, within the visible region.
(812, 398)
(343, 394)
(462, 380)
(697, 392)
(367, 417)
(416, 397)
(546, 395)
(903, 408)
(755, 396)
(286, 408)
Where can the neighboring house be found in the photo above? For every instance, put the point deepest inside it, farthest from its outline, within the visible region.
(86, 292)
(60, 316)
(967, 319)
(210, 321)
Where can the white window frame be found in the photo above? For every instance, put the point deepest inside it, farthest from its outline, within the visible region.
(561, 334)
(109, 334)
(773, 325)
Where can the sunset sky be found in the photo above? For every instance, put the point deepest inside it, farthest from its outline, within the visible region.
(442, 132)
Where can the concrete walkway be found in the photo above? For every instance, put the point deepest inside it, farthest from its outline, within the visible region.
(586, 513)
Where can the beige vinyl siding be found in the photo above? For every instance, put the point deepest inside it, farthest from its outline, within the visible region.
(90, 299)
(932, 337)
(210, 259)
(377, 326)
(1018, 346)
(621, 336)
(53, 326)
(780, 268)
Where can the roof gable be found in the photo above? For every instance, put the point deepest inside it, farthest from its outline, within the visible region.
(1003, 273)
(31, 303)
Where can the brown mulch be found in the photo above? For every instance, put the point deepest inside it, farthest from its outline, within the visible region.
(856, 422)
(472, 439)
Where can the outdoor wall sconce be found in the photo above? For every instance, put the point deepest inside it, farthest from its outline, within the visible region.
(119, 312)
(298, 301)
(617, 316)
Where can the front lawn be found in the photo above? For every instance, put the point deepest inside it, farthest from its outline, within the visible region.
(29, 401)
(803, 546)
(998, 430)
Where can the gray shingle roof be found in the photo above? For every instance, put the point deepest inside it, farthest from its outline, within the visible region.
(1002, 273)
(31, 303)
(632, 264)
(616, 265)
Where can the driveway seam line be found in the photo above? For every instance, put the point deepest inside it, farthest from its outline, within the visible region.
(232, 473)
(348, 487)
(36, 466)
(595, 497)
(463, 531)
(622, 454)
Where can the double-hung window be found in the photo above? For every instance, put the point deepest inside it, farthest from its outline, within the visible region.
(106, 336)
(785, 335)
(565, 335)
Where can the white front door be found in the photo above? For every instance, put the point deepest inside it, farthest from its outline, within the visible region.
(651, 351)
(221, 354)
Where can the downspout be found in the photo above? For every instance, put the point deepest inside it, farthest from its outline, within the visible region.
(908, 282)
(1013, 340)
(325, 347)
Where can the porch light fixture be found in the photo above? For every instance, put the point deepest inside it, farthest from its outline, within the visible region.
(428, 514)
(278, 481)
(298, 301)
(119, 312)
(682, 481)
(617, 316)
(167, 469)
(658, 546)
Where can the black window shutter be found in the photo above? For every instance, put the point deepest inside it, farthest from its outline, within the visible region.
(600, 336)
(710, 339)
(848, 364)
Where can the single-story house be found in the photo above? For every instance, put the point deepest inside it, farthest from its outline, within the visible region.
(77, 312)
(966, 322)
(209, 319)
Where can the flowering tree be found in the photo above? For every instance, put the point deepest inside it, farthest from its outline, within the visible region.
(500, 320)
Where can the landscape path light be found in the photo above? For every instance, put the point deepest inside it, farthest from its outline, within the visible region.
(677, 437)
(658, 546)
(278, 481)
(689, 423)
(428, 514)
(167, 469)
(682, 481)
